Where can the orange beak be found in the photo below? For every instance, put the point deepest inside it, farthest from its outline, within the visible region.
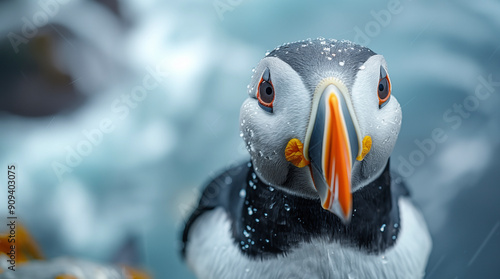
(332, 149)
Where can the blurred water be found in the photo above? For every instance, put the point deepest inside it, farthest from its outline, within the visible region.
(140, 180)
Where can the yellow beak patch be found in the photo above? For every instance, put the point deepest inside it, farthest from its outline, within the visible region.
(367, 146)
(294, 153)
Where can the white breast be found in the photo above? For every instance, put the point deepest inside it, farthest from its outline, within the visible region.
(212, 253)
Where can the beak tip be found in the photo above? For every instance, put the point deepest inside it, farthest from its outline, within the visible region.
(344, 214)
(347, 218)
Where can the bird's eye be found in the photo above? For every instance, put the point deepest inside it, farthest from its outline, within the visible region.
(384, 88)
(265, 92)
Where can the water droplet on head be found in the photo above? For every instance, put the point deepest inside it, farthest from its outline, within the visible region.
(341, 63)
(246, 234)
(382, 228)
(287, 207)
(243, 193)
(250, 211)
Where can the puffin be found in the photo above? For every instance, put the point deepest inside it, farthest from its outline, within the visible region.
(317, 198)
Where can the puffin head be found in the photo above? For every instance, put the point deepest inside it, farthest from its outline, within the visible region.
(320, 121)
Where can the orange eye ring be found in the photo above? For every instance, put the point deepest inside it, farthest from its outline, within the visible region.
(384, 90)
(265, 92)
(266, 99)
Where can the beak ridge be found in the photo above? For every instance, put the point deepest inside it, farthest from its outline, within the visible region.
(332, 150)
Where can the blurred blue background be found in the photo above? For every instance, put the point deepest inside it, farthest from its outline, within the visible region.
(116, 113)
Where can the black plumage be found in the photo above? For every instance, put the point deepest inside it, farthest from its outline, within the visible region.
(267, 222)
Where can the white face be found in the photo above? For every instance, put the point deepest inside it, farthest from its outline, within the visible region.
(267, 134)
(267, 131)
(381, 124)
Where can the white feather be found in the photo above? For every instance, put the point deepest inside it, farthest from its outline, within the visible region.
(212, 253)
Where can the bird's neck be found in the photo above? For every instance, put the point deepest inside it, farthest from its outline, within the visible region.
(272, 222)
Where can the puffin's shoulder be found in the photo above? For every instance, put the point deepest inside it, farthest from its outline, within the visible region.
(222, 191)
